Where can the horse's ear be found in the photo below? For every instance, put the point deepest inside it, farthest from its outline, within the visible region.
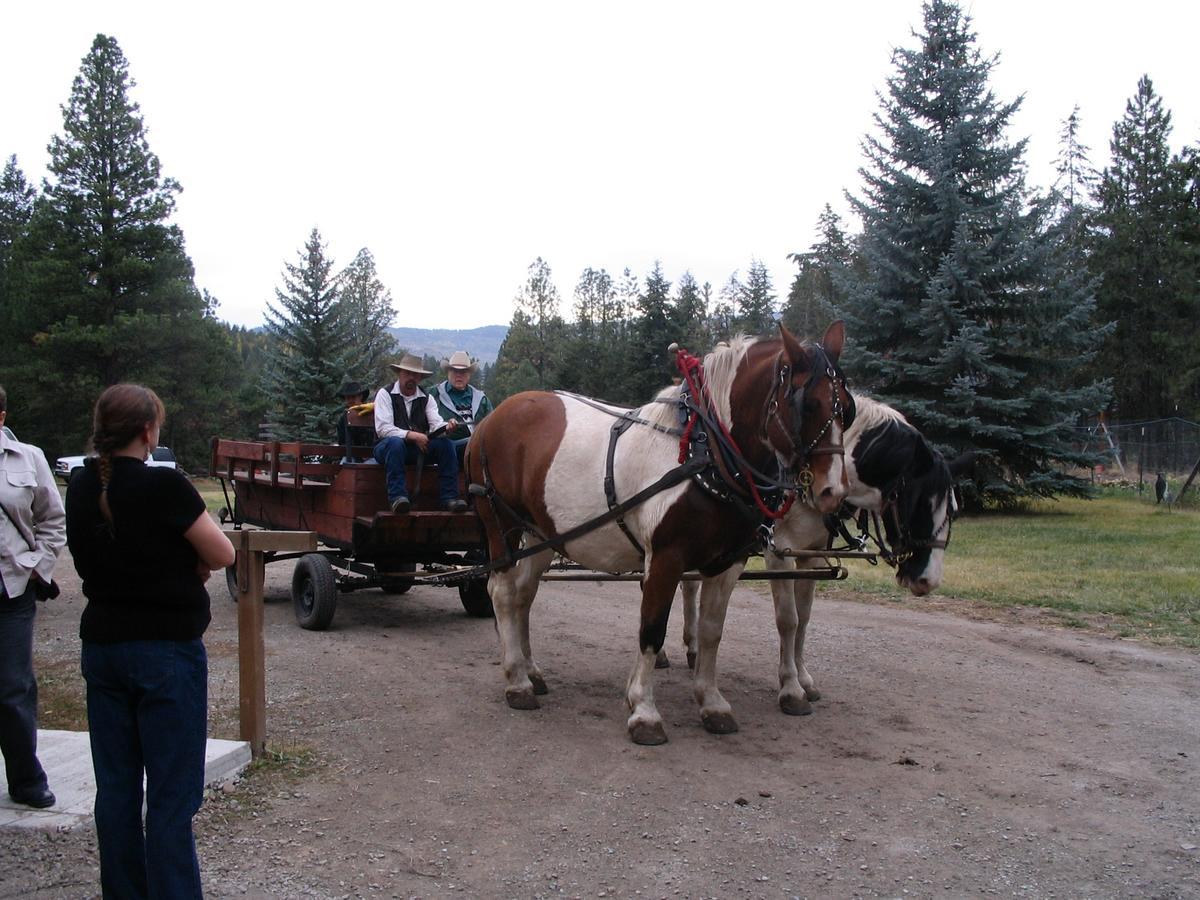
(963, 464)
(794, 350)
(835, 339)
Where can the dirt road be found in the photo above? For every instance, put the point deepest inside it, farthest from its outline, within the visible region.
(947, 757)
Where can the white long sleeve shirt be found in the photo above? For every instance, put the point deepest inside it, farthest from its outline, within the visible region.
(385, 423)
(31, 539)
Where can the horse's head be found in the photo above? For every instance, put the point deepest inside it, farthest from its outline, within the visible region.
(806, 408)
(917, 510)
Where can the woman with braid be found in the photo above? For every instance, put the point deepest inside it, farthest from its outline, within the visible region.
(144, 546)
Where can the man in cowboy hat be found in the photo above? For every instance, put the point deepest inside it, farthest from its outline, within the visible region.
(353, 394)
(407, 424)
(458, 399)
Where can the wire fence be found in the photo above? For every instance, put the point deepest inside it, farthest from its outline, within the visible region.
(1138, 452)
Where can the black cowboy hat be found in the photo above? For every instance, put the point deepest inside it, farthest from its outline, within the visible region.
(353, 389)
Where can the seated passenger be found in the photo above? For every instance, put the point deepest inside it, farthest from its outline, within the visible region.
(353, 394)
(457, 398)
(407, 424)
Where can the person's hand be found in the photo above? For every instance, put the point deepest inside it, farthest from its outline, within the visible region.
(452, 424)
(420, 439)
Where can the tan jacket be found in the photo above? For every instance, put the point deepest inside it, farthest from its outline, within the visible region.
(32, 540)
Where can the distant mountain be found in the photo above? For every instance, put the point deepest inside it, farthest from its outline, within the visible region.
(481, 343)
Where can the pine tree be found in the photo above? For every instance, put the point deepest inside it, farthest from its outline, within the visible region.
(691, 315)
(724, 323)
(309, 347)
(100, 288)
(367, 308)
(1145, 251)
(813, 295)
(16, 209)
(651, 366)
(963, 317)
(595, 361)
(756, 305)
(1075, 174)
(536, 335)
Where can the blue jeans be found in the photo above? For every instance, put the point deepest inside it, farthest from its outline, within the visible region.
(147, 704)
(18, 695)
(396, 452)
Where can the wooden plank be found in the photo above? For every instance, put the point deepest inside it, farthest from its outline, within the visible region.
(252, 667)
(250, 450)
(283, 541)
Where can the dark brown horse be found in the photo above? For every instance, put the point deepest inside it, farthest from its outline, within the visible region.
(766, 413)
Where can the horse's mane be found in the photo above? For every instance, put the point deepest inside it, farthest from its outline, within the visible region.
(720, 367)
(870, 412)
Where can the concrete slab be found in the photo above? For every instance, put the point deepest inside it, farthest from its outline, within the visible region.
(67, 759)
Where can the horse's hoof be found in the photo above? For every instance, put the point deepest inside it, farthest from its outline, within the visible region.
(719, 723)
(661, 661)
(812, 693)
(520, 698)
(692, 660)
(649, 734)
(539, 684)
(795, 706)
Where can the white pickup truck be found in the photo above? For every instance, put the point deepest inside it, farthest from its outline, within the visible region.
(65, 467)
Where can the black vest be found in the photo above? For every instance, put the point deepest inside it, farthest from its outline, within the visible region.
(419, 421)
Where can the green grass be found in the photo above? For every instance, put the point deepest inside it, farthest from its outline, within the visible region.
(1117, 563)
(211, 493)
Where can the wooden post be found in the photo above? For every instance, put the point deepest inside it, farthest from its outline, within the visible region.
(252, 664)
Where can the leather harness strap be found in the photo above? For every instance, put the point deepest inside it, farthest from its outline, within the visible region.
(619, 427)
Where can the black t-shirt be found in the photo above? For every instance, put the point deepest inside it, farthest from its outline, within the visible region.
(139, 575)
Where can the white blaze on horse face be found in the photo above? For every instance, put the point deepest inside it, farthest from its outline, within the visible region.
(830, 491)
(931, 576)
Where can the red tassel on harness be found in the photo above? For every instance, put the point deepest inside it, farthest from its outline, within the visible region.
(691, 368)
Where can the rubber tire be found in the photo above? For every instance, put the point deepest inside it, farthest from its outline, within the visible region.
(314, 592)
(231, 581)
(398, 585)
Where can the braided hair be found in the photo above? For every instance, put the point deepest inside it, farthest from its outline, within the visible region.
(122, 412)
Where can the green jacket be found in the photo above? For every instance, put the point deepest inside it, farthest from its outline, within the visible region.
(469, 406)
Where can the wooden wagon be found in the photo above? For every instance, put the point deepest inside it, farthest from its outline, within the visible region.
(295, 486)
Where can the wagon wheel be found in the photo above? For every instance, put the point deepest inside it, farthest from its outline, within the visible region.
(397, 585)
(473, 593)
(314, 592)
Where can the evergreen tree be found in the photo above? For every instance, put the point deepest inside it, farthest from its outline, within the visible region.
(1145, 252)
(756, 305)
(963, 317)
(595, 362)
(16, 209)
(367, 308)
(536, 335)
(309, 347)
(691, 315)
(813, 295)
(100, 289)
(1075, 175)
(651, 366)
(724, 324)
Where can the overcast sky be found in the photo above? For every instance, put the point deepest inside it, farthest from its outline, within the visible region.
(460, 141)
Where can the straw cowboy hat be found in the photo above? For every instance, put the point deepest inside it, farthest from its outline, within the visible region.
(410, 363)
(353, 389)
(460, 360)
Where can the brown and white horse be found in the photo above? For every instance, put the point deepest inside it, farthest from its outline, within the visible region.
(892, 471)
(538, 466)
